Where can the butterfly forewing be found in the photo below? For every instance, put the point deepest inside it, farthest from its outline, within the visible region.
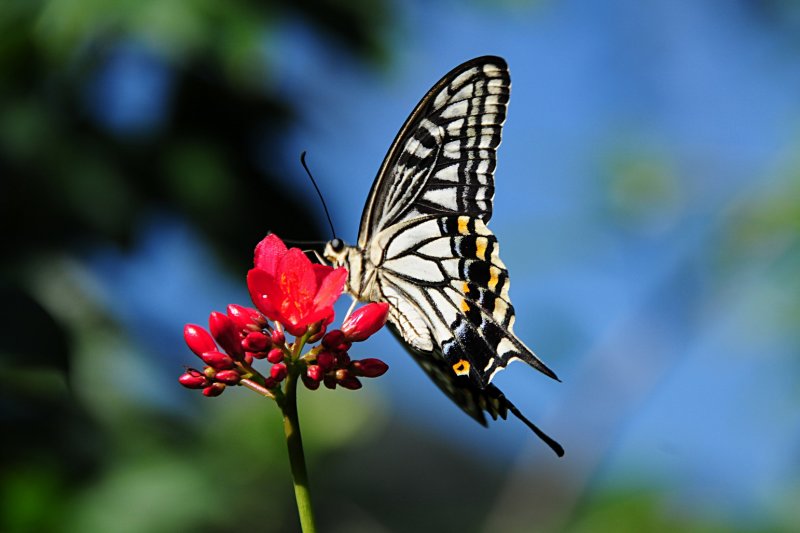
(443, 159)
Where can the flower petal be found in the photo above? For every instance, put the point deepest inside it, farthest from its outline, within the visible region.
(321, 272)
(268, 253)
(263, 292)
(331, 288)
(298, 285)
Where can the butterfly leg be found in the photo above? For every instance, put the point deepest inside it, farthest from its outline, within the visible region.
(321, 259)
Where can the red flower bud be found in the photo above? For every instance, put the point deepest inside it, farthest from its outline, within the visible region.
(198, 339)
(335, 341)
(314, 372)
(326, 360)
(311, 384)
(278, 338)
(246, 318)
(329, 381)
(217, 360)
(333, 338)
(275, 355)
(369, 368)
(249, 356)
(278, 372)
(364, 322)
(225, 332)
(229, 377)
(347, 379)
(319, 331)
(193, 379)
(342, 360)
(256, 342)
(215, 389)
(343, 347)
(270, 383)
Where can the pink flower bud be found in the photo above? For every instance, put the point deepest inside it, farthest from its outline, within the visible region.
(256, 342)
(246, 318)
(278, 338)
(364, 322)
(347, 379)
(193, 379)
(215, 389)
(326, 360)
(225, 332)
(275, 355)
(229, 377)
(369, 368)
(198, 339)
(278, 372)
(217, 360)
(314, 372)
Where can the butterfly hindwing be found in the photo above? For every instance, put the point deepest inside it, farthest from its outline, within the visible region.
(465, 297)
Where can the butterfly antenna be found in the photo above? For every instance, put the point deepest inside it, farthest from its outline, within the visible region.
(313, 182)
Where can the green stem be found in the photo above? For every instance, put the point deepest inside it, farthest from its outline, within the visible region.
(291, 427)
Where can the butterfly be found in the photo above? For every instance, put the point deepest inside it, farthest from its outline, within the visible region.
(424, 247)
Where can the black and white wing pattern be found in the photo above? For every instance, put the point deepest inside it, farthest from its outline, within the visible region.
(424, 246)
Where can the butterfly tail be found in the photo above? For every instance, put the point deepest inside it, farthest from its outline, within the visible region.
(555, 446)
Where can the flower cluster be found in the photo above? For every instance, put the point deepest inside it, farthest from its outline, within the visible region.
(291, 295)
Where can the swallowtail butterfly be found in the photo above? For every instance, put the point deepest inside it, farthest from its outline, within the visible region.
(424, 248)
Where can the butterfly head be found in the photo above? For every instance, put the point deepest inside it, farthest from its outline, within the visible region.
(338, 254)
(335, 252)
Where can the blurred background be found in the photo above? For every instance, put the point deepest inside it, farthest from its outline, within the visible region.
(647, 206)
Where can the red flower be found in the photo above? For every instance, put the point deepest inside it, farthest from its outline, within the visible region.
(288, 288)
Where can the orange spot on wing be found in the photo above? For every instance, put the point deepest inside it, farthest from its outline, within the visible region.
(480, 248)
(462, 225)
(493, 278)
(461, 368)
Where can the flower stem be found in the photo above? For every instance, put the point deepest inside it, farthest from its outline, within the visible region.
(294, 441)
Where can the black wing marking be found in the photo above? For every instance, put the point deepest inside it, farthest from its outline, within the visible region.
(443, 159)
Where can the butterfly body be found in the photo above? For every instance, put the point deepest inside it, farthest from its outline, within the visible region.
(424, 246)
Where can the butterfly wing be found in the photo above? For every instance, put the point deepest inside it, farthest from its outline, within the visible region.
(449, 289)
(424, 225)
(437, 264)
(444, 156)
